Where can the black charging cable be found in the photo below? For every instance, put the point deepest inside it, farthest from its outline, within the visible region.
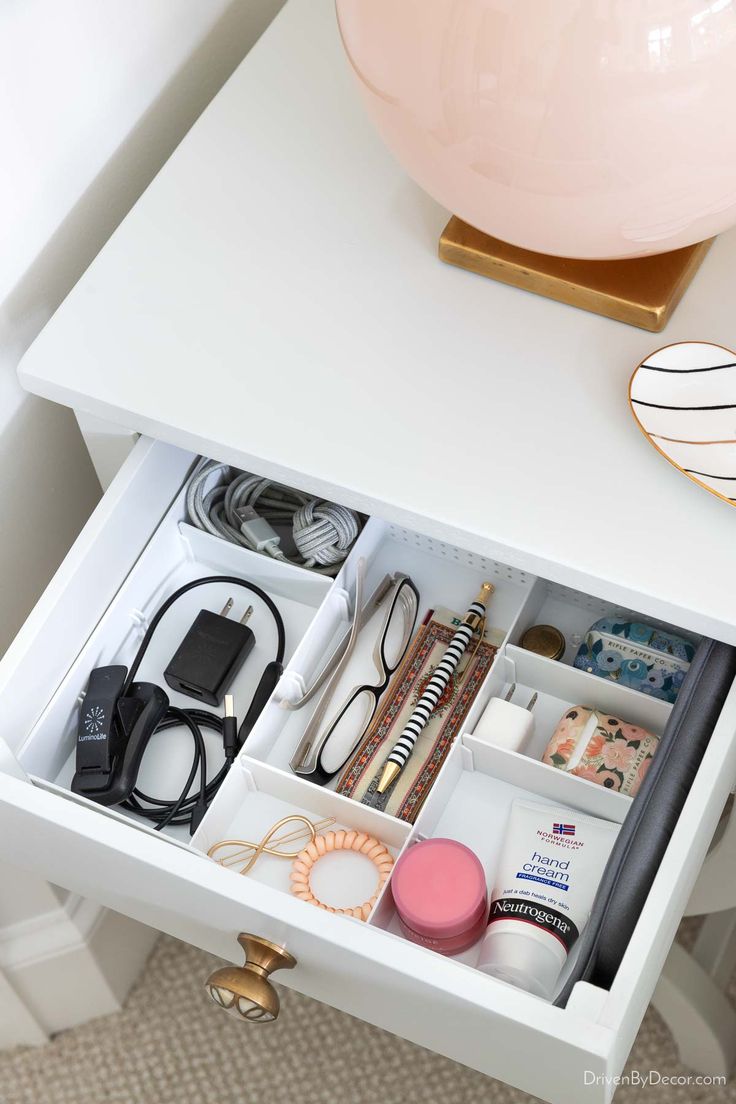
(190, 808)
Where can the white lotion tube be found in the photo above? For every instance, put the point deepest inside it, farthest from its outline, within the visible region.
(551, 862)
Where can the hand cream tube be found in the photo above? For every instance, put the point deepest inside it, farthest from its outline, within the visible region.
(551, 863)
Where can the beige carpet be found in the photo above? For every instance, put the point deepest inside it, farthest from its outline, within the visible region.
(171, 1046)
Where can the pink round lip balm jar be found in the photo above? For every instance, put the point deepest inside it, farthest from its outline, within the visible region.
(439, 889)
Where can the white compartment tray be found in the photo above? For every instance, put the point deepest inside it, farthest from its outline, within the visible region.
(132, 551)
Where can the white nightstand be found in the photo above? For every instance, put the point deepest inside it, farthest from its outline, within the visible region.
(274, 300)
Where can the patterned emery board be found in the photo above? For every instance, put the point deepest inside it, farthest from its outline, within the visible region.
(684, 400)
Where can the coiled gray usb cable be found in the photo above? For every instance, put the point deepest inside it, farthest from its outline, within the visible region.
(241, 508)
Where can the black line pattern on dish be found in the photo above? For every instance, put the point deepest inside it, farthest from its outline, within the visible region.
(687, 371)
(708, 475)
(662, 406)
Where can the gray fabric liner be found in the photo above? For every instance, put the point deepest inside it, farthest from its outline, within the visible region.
(647, 829)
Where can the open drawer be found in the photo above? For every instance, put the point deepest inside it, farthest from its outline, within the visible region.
(134, 550)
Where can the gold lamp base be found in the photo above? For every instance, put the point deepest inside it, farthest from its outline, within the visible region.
(642, 292)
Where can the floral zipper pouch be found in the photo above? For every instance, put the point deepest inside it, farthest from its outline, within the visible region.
(602, 749)
(636, 655)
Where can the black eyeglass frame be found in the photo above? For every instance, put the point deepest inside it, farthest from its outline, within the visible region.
(405, 591)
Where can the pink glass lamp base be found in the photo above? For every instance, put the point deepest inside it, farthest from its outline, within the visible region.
(595, 131)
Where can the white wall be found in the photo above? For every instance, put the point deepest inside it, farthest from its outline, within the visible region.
(94, 95)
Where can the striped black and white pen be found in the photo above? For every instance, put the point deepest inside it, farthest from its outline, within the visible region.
(404, 746)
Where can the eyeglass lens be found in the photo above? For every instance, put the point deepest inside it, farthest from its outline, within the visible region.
(347, 729)
(399, 627)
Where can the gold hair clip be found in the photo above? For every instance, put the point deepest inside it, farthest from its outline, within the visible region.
(250, 853)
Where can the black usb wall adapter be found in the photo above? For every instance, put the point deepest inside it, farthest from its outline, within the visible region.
(210, 655)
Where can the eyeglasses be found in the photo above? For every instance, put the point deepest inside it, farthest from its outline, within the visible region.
(322, 752)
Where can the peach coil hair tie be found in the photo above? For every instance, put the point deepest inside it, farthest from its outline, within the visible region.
(359, 842)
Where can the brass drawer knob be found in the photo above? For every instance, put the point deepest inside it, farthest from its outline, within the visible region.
(245, 991)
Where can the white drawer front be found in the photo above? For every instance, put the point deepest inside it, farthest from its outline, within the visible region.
(133, 552)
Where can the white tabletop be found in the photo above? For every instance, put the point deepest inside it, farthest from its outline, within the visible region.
(275, 300)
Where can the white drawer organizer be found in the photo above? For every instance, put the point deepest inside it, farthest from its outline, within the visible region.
(135, 550)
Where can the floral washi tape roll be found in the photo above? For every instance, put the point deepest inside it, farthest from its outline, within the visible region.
(636, 655)
(602, 749)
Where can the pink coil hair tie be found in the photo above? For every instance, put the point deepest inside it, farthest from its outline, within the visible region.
(359, 842)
